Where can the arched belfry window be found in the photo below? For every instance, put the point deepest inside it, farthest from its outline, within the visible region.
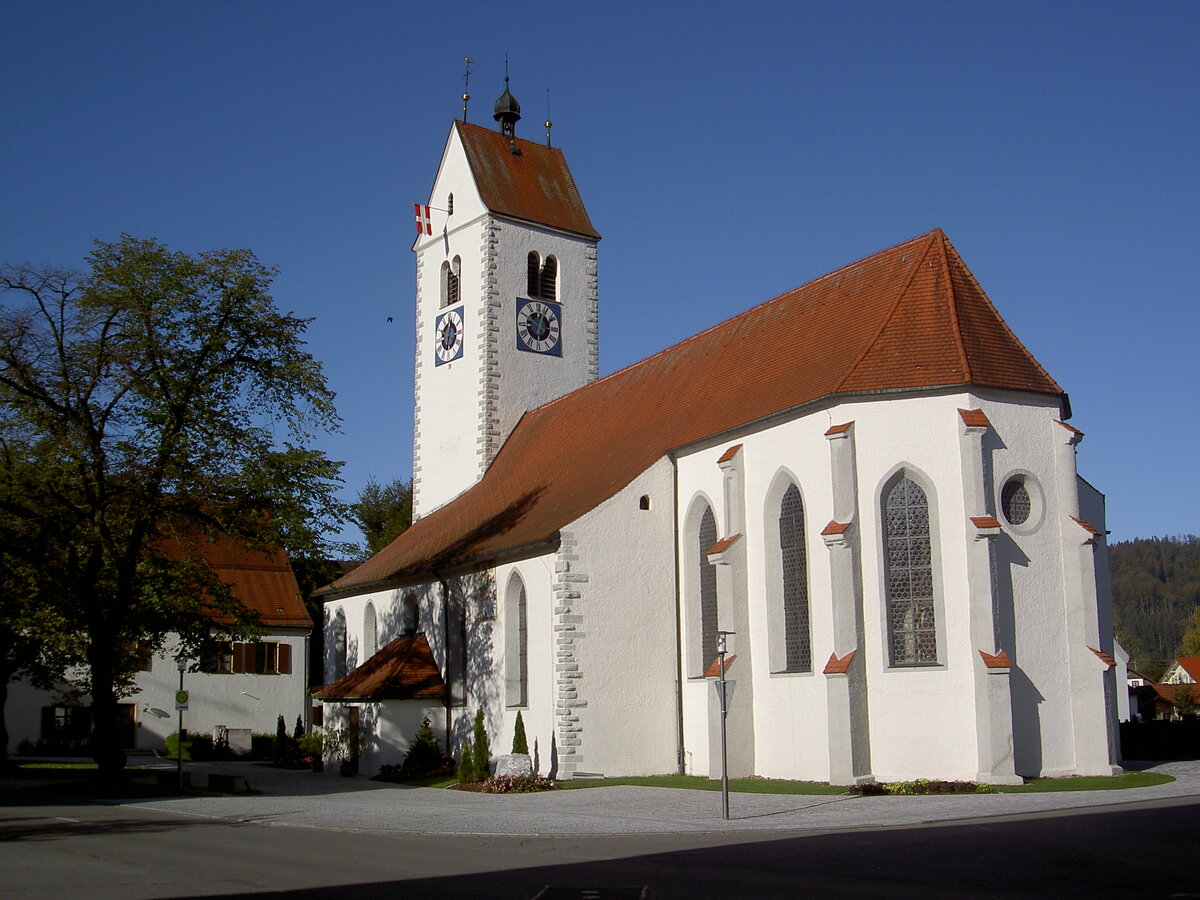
(911, 614)
(549, 279)
(451, 271)
(533, 279)
(412, 623)
(370, 632)
(707, 536)
(793, 551)
(516, 644)
(541, 278)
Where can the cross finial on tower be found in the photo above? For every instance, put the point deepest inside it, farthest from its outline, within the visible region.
(466, 81)
(507, 111)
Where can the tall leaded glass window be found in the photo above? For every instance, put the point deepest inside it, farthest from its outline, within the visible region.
(912, 627)
(522, 649)
(794, 552)
(516, 642)
(708, 590)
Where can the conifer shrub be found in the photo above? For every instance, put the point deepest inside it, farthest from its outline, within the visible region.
(467, 772)
(425, 757)
(520, 744)
(483, 753)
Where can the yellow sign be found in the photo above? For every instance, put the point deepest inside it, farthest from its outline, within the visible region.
(181, 699)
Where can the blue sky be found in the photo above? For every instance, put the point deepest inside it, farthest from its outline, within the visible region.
(726, 152)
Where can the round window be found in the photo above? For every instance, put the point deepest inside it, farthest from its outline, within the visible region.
(1021, 503)
(1015, 501)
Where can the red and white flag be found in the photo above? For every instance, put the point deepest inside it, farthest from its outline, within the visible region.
(424, 220)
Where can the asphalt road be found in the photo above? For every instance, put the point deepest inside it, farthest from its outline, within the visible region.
(1143, 849)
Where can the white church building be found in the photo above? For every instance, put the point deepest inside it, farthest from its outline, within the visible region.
(884, 510)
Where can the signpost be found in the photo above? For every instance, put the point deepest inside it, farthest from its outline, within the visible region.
(181, 703)
(723, 690)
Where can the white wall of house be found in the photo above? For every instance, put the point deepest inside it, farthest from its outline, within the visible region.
(241, 700)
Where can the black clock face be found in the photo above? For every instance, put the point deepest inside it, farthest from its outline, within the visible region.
(539, 327)
(448, 340)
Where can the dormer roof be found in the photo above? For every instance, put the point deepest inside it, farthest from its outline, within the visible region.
(911, 317)
(533, 185)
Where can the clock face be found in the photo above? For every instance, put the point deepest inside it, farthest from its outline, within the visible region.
(539, 327)
(448, 337)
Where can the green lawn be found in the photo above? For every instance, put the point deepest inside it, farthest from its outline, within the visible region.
(1093, 783)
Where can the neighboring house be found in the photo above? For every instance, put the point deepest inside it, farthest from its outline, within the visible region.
(242, 685)
(1160, 701)
(869, 480)
(1183, 670)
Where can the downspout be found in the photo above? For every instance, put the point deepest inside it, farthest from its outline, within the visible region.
(679, 748)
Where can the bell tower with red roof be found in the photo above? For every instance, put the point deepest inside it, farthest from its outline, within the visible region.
(506, 301)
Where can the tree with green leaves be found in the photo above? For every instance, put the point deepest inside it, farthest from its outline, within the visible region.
(158, 400)
(382, 513)
(520, 742)
(483, 753)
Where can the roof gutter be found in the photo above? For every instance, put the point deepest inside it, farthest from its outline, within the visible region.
(431, 573)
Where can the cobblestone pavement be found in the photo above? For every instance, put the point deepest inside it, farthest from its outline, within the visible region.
(305, 799)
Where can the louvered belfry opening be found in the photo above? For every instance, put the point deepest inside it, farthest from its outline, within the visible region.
(549, 279)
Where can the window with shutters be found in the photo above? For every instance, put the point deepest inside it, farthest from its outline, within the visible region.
(250, 658)
(911, 611)
(451, 273)
(707, 536)
(793, 550)
(541, 278)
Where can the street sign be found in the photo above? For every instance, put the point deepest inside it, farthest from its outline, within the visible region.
(181, 699)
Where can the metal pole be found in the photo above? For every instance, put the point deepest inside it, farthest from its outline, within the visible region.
(724, 710)
(179, 744)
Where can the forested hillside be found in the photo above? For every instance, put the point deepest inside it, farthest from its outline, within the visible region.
(1156, 590)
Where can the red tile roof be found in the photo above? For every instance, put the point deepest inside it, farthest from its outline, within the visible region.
(838, 429)
(722, 545)
(909, 317)
(714, 667)
(730, 453)
(975, 418)
(1090, 529)
(985, 521)
(261, 580)
(996, 660)
(534, 185)
(403, 670)
(1105, 658)
(1190, 664)
(837, 666)
(835, 528)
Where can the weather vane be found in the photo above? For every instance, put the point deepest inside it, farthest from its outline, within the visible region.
(548, 122)
(466, 82)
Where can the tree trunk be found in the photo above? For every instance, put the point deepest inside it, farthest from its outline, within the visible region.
(4, 676)
(105, 740)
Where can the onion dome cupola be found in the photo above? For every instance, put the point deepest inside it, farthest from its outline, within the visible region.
(507, 111)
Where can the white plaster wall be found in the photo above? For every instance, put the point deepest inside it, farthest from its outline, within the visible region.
(538, 714)
(529, 380)
(1030, 569)
(387, 730)
(626, 641)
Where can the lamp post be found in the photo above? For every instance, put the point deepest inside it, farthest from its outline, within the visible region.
(723, 693)
(181, 705)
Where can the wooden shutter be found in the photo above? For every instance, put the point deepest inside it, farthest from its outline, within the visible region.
(285, 658)
(240, 652)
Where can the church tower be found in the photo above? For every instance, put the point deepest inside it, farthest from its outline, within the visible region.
(506, 299)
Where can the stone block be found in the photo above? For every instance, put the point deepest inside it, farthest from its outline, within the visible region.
(516, 765)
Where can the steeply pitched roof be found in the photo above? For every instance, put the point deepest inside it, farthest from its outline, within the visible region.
(403, 670)
(1189, 664)
(261, 580)
(911, 316)
(534, 185)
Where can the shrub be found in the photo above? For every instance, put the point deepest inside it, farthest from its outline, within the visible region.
(919, 786)
(520, 744)
(312, 745)
(483, 755)
(425, 758)
(467, 772)
(195, 746)
(517, 784)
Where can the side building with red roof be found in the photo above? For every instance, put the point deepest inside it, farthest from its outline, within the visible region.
(867, 483)
(241, 685)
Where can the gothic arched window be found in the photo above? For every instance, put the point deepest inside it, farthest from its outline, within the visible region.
(707, 536)
(370, 632)
(339, 645)
(516, 644)
(911, 617)
(411, 614)
(793, 551)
